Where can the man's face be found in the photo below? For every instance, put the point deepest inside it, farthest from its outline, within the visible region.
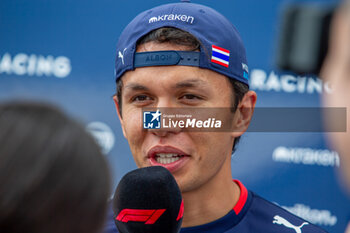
(194, 158)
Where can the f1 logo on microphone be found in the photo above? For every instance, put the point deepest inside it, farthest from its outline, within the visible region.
(152, 120)
(147, 216)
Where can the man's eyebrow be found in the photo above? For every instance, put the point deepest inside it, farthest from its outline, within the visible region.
(190, 83)
(136, 87)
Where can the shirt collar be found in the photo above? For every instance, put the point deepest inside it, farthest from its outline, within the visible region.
(228, 221)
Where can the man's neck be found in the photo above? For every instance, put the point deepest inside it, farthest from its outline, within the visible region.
(211, 201)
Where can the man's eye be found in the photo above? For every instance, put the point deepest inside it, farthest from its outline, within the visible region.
(140, 98)
(191, 97)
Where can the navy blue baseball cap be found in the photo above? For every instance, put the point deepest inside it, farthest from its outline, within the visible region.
(221, 50)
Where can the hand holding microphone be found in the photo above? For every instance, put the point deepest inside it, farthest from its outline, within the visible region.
(148, 200)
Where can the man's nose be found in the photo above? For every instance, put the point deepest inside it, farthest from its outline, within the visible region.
(167, 106)
(166, 102)
(165, 132)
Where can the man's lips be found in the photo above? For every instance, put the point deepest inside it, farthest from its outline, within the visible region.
(152, 153)
(167, 156)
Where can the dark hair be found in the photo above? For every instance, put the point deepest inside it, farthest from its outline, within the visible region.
(53, 176)
(180, 37)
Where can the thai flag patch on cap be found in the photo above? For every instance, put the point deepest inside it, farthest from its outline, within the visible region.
(220, 56)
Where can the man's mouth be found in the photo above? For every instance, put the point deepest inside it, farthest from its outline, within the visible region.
(166, 158)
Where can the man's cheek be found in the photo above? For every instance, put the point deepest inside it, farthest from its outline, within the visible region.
(134, 140)
(133, 125)
(135, 148)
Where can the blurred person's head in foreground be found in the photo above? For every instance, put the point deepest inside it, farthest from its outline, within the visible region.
(336, 71)
(53, 176)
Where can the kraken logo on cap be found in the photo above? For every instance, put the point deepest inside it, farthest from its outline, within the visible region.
(172, 17)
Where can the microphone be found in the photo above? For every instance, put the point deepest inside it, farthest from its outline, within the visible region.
(148, 200)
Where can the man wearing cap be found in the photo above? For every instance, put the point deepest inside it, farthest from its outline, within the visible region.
(186, 55)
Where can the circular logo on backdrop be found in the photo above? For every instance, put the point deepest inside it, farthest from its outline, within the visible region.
(103, 135)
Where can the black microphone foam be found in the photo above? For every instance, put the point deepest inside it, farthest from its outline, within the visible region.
(148, 200)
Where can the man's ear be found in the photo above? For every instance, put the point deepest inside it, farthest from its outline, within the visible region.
(117, 107)
(244, 114)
